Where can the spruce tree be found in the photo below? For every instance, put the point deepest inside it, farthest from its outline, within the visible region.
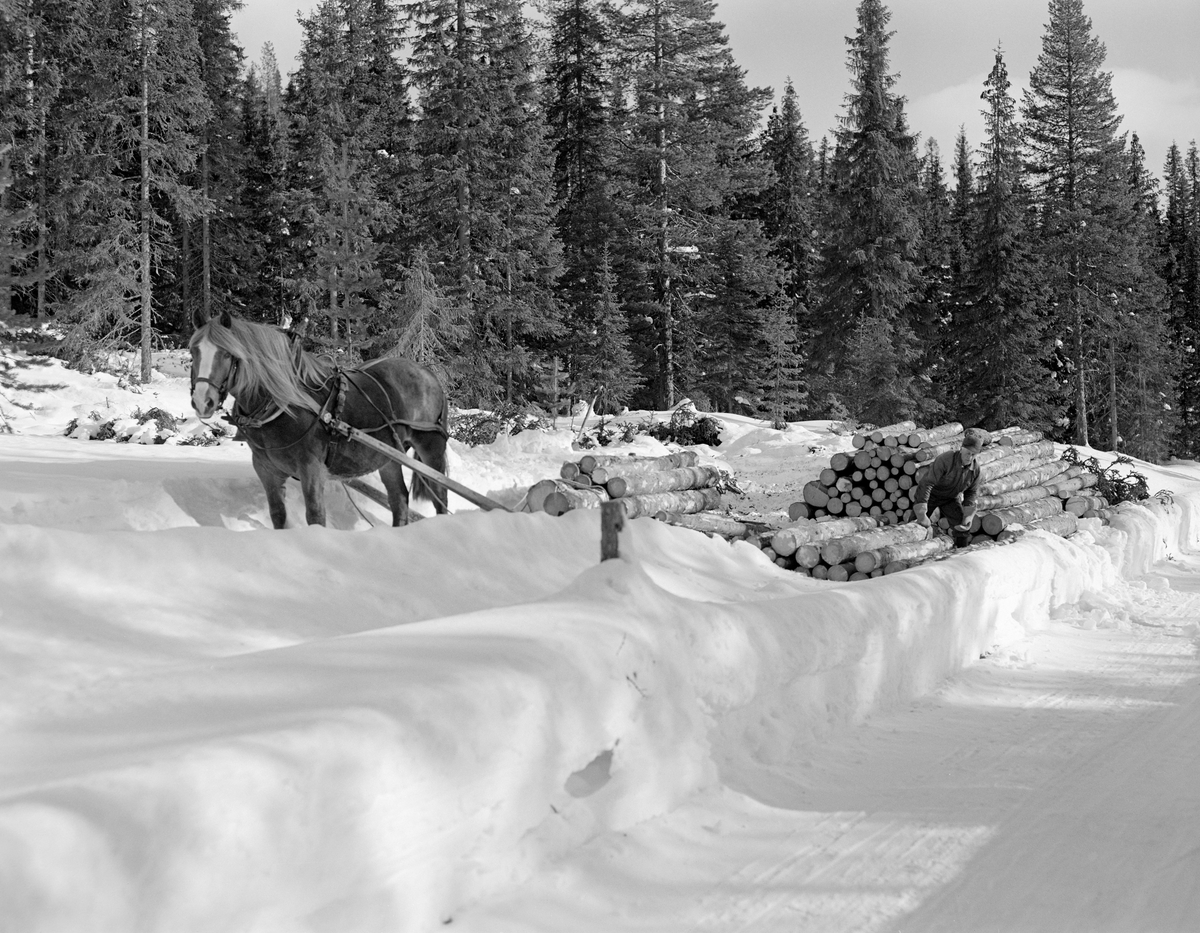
(688, 178)
(1076, 162)
(1181, 247)
(870, 278)
(483, 198)
(1003, 349)
(579, 89)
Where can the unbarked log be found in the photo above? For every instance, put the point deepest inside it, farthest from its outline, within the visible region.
(929, 452)
(935, 435)
(891, 430)
(992, 523)
(589, 462)
(640, 466)
(786, 540)
(838, 550)
(636, 484)
(995, 462)
(1017, 438)
(868, 561)
(1068, 488)
(1079, 506)
(567, 498)
(1033, 476)
(688, 501)
(1006, 500)
(1064, 524)
(798, 511)
(706, 522)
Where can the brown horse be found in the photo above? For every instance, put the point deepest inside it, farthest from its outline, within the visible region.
(281, 391)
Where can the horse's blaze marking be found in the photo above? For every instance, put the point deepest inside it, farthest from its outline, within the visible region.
(206, 353)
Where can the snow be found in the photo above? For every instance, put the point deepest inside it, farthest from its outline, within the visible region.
(209, 725)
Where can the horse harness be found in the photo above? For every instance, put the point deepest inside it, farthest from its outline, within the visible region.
(338, 383)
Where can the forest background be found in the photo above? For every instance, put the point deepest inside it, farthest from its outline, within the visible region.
(591, 203)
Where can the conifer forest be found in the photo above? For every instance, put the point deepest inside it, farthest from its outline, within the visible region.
(586, 202)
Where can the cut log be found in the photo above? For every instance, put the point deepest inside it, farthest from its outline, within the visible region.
(840, 462)
(995, 522)
(566, 498)
(1064, 524)
(687, 501)
(867, 561)
(682, 458)
(840, 573)
(936, 435)
(787, 540)
(928, 452)
(828, 476)
(643, 466)
(820, 572)
(1079, 506)
(896, 566)
(995, 462)
(637, 484)
(535, 499)
(1068, 488)
(847, 548)
(807, 555)
(569, 471)
(706, 522)
(1033, 476)
(799, 511)
(1017, 438)
(816, 495)
(1006, 500)
(879, 435)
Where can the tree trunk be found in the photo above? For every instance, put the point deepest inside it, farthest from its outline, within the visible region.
(602, 468)
(684, 500)
(995, 522)
(1007, 500)
(1081, 412)
(787, 540)
(1115, 438)
(205, 244)
(663, 481)
(876, 558)
(147, 321)
(706, 522)
(568, 498)
(1034, 476)
(839, 550)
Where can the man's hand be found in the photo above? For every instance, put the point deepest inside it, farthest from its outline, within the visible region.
(921, 515)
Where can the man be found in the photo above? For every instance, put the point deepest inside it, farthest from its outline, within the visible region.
(951, 475)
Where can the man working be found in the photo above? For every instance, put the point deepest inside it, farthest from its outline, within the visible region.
(951, 475)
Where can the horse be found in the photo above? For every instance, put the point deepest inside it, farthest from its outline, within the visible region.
(281, 392)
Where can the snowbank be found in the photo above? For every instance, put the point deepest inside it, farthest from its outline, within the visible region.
(207, 729)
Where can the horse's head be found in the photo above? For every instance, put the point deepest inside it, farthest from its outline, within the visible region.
(213, 366)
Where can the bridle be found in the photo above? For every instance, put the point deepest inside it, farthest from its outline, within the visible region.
(222, 387)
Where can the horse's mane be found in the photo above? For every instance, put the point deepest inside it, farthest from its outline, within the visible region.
(269, 362)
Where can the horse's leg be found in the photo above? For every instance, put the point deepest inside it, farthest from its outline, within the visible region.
(430, 447)
(397, 490)
(273, 481)
(312, 482)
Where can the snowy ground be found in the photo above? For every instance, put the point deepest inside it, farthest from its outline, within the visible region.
(207, 725)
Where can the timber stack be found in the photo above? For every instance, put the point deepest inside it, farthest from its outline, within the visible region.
(855, 520)
(674, 488)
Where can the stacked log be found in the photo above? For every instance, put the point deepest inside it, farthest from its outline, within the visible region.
(877, 477)
(1023, 487)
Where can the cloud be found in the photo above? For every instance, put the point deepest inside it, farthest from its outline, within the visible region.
(1159, 110)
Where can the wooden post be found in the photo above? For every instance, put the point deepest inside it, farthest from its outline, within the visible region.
(612, 520)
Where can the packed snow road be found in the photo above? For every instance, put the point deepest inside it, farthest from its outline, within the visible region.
(1051, 787)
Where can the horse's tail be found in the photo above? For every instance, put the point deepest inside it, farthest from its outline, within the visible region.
(433, 454)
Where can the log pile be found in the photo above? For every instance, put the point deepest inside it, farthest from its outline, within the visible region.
(674, 488)
(855, 520)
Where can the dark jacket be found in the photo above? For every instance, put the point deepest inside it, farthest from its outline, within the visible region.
(946, 477)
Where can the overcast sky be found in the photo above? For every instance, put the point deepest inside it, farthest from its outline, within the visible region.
(942, 50)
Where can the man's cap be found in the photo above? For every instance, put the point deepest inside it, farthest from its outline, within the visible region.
(976, 438)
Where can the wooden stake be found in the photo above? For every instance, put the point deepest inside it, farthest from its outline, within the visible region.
(612, 520)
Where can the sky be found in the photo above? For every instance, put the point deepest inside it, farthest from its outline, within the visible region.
(473, 723)
(942, 51)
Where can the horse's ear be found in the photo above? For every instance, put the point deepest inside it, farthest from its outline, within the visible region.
(226, 319)
(198, 318)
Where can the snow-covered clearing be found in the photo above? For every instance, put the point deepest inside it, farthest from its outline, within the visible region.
(470, 722)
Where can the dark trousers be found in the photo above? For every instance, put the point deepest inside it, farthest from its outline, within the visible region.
(952, 511)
